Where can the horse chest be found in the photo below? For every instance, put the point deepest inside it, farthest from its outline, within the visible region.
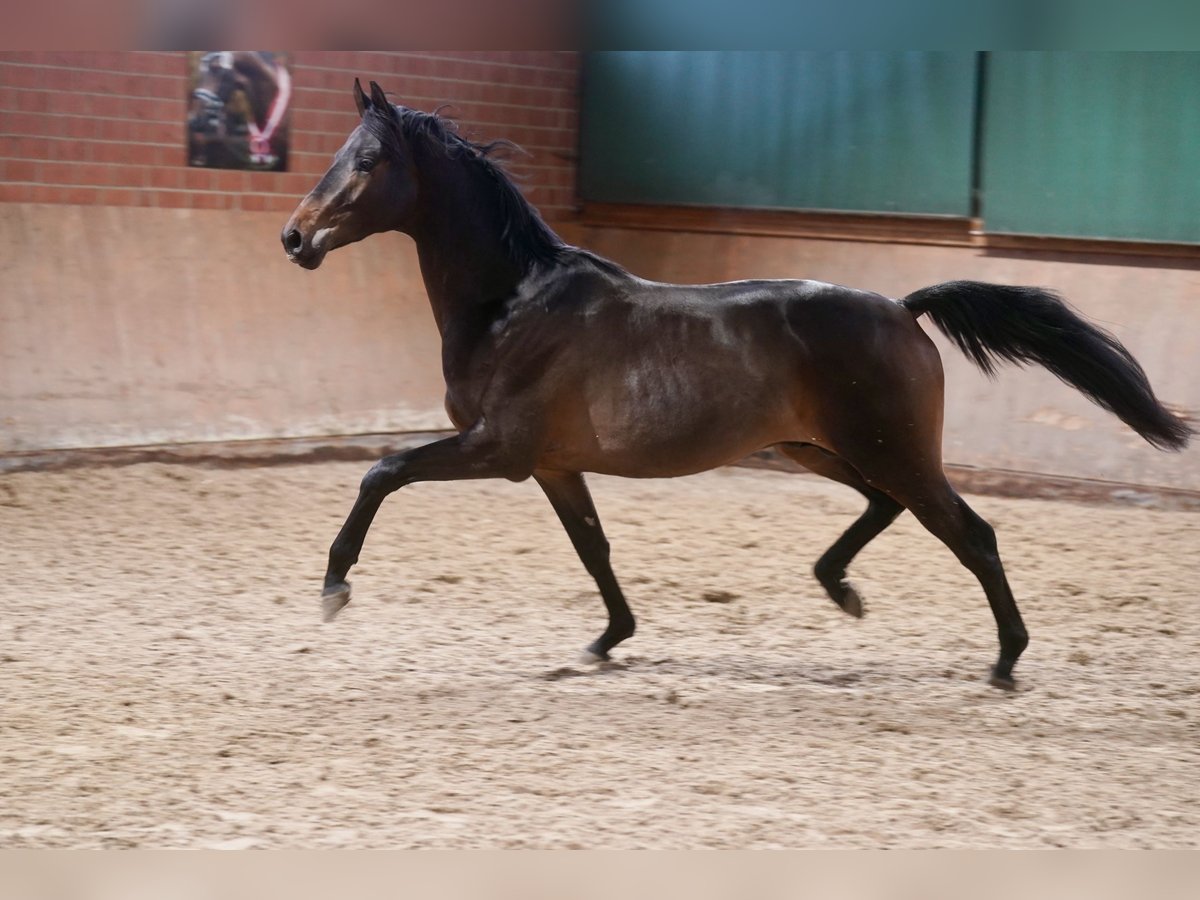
(466, 390)
(463, 411)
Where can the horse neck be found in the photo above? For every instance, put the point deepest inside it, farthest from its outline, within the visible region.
(459, 234)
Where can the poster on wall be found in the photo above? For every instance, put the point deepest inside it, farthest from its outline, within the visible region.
(239, 109)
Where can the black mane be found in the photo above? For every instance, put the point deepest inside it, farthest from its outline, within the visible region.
(526, 237)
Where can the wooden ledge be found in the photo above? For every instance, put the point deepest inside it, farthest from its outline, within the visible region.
(781, 223)
(953, 231)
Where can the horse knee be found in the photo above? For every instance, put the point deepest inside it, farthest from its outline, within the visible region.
(983, 535)
(382, 478)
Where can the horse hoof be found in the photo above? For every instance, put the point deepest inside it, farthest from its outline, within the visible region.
(851, 603)
(590, 656)
(1005, 683)
(333, 598)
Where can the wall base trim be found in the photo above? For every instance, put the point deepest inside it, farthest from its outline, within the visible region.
(366, 447)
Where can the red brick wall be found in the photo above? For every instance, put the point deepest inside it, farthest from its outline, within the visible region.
(108, 127)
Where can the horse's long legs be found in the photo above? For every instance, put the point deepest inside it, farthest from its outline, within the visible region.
(881, 511)
(947, 516)
(928, 496)
(910, 472)
(570, 498)
(830, 569)
(460, 457)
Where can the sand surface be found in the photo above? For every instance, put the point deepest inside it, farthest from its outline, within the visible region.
(165, 679)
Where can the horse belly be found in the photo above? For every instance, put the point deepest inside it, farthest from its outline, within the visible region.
(661, 418)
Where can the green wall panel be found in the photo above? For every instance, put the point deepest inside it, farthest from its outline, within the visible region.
(1093, 145)
(886, 131)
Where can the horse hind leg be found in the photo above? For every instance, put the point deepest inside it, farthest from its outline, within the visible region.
(948, 517)
(881, 511)
(929, 497)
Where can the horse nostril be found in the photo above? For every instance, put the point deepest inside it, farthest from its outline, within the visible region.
(293, 241)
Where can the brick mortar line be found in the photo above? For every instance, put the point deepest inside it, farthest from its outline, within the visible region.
(529, 87)
(74, 93)
(182, 99)
(76, 141)
(137, 75)
(47, 137)
(60, 68)
(408, 54)
(349, 72)
(443, 102)
(67, 115)
(182, 55)
(523, 167)
(314, 175)
(342, 134)
(479, 104)
(506, 162)
(233, 192)
(173, 146)
(180, 122)
(172, 54)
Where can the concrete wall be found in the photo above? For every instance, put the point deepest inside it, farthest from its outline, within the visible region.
(123, 326)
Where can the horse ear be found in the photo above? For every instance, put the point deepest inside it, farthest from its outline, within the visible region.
(378, 100)
(360, 99)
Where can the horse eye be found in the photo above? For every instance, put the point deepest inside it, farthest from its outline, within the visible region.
(365, 165)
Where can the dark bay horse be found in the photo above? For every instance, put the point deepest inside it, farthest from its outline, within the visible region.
(558, 362)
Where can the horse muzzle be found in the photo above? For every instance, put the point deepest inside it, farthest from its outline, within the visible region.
(301, 249)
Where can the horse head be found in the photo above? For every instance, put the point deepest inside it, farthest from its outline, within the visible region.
(370, 187)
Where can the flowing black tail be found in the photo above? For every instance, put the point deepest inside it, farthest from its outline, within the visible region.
(992, 323)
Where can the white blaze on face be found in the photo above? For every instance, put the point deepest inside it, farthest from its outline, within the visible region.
(318, 240)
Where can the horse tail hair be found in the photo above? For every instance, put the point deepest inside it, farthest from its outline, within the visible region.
(994, 323)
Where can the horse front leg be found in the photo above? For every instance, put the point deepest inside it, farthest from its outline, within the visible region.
(465, 456)
(568, 494)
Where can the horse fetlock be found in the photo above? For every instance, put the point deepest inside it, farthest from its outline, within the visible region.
(840, 591)
(1002, 675)
(1013, 644)
(999, 679)
(831, 577)
(345, 548)
(828, 572)
(613, 635)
